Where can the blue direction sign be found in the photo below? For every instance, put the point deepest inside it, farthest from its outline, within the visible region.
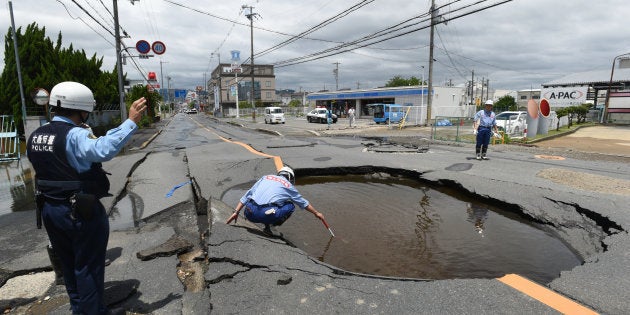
(143, 47)
(158, 47)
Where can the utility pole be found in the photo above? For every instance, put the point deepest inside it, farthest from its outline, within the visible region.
(19, 71)
(168, 94)
(430, 96)
(483, 83)
(251, 16)
(336, 73)
(121, 91)
(472, 89)
(161, 85)
(422, 89)
(488, 89)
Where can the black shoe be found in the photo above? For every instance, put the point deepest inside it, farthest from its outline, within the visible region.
(267, 230)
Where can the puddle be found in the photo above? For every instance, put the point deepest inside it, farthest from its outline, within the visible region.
(399, 227)
(17, 191)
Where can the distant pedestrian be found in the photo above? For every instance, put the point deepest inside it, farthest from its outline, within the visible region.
(329, 117)
(270, 200)
(351, 114)
(483, 124)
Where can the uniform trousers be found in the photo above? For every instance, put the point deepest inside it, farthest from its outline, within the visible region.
(81, 246)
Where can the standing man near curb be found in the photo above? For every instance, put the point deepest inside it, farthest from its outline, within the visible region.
(70, 181)
(483, 124)
(351, 114)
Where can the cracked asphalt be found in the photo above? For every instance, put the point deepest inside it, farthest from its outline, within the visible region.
(174, 254)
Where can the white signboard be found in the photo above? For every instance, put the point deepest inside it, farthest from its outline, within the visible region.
(565, 96)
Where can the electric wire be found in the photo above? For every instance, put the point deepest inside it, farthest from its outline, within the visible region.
(94, 19)
(383, 34)
(326, 22)
(88, 25)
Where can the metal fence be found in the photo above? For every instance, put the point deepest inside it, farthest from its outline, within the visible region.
(457, 129)
(9, 139)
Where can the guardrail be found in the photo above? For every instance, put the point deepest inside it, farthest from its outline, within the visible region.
(9, 139)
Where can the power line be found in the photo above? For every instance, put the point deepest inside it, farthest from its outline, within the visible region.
(94, 19)
(385, 34)
(316, 27)
(88, 25)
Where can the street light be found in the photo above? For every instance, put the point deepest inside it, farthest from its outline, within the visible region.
(612, 71)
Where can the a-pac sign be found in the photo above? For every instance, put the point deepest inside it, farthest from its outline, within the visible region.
(565, 96)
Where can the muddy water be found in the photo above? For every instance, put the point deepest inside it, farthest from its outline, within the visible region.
(399, 227)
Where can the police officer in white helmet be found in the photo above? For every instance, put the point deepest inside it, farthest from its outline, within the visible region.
(70, 180)
(271, 200)
(484, 123)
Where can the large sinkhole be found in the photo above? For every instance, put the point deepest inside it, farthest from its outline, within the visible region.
(395, 226)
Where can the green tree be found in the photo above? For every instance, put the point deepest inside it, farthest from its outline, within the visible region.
(400, 81)
(505, 103)
(244, 104)
(153, 99)
(44, 63)
(295, 103)
(581, 111)
(561, 112)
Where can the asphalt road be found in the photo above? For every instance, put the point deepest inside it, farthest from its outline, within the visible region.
(177, 256)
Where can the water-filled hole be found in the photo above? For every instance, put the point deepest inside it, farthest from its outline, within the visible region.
(395, 226)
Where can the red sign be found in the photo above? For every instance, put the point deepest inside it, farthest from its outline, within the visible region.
(158, 47)
(152, 76)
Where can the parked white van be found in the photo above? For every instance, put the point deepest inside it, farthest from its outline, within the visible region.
(274, 115)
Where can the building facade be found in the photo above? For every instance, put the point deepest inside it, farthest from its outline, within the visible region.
(447, 101)
(593, 87)
(226, 85)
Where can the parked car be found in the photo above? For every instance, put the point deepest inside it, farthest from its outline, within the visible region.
(387, 113)
(191, 111)
(274, 115)
(512, 122)
(318, 115)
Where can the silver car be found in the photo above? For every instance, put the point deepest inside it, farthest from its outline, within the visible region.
(318, 115)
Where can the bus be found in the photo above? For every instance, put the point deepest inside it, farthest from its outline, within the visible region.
(387, 113)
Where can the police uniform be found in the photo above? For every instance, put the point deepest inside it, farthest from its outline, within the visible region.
(67, 164)
(487, 122)
(270, 200)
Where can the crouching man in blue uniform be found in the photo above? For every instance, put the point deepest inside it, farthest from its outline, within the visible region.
(70, 181)
(271, 200)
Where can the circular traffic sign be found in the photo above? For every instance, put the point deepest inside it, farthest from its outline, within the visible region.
(158, 47)
(143, 47)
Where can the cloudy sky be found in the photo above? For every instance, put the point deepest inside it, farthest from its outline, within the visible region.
(516, 45)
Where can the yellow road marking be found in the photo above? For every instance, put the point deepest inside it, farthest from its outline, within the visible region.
(524, 285)
(545, 295)
(276, 159)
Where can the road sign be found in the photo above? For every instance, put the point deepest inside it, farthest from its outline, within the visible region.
(158, 47)
(143, 47)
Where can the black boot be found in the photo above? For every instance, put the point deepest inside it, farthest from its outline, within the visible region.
(477, 154)
(56, 265)
(483, 152)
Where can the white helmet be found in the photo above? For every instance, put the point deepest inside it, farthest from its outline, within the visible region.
(489, 102)
(72, 95)
(287, 173)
